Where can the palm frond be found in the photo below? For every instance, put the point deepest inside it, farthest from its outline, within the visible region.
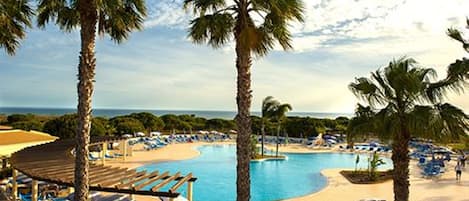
(282, 109)
(456, 35)
(455, 81)
(362, 124)
(257, 38)
(422, 122)
(269, 104)
(365, 89)
(455, 122)
(386, 123)
(215, 29)
(63, 12)
(388, 91)
(9, 43)
(118, 18)
(15, 17)
(442, 122)
(277, 27)
(202, 6)
(273, 109)
(278, 14)
(285, 9)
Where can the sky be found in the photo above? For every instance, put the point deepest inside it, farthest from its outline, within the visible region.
(159, 67)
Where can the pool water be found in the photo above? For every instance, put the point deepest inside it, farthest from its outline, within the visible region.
(215, 170)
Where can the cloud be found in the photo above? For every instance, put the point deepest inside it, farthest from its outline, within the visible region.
(166, 13)
(160, 68)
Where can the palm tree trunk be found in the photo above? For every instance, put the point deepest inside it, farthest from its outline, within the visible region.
(400, 159)
(243, 119)
(278, 135)
(86, 72)
(263, 136)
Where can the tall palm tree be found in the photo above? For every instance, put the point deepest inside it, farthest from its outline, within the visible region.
(116, 18)
(15, 17)
(279, 115)
(254, 25)
(268, 110)
(408, 106)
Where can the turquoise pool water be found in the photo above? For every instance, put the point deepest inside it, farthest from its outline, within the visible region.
(215, 169)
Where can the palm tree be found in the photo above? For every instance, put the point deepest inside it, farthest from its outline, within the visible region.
(254, 25)
(360, 124)
(268, 109)
(117, 19)
(15, 17)
(279, 116)
(408, 106)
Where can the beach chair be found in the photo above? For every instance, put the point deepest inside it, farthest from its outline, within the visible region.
(92, 158)
(431, 170)
(107, 155)
(422, 161)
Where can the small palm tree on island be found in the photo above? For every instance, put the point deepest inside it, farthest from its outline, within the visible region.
(15, 17)
(116, 18)
(361, 124)
(409, 104)
(279, 116)
(268, 110)
(254, 25)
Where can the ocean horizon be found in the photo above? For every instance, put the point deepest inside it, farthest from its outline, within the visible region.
(109, 113)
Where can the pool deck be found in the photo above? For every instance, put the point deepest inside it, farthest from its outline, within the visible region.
(445, 188)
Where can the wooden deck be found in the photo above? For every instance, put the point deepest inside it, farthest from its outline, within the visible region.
(54, 162)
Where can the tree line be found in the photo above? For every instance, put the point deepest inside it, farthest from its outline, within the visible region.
(65, 126)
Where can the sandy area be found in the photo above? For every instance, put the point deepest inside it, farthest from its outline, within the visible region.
(444, 188)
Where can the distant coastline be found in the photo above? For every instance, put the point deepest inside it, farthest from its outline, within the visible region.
(117, 112)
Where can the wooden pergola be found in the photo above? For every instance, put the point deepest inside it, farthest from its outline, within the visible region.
(54, 163)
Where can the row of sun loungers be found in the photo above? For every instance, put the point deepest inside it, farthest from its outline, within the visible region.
(186, 139)
(159, 142)
(379, 149)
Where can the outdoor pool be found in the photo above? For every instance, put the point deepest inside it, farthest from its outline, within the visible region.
(215, 169)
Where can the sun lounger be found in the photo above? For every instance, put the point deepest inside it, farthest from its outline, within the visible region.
(108, 156)
(92, 158)
(422, 161)
(431, 170)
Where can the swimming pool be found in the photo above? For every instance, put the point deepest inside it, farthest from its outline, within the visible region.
(215, 169)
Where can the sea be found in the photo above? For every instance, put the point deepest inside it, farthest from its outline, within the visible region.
(109, 113)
